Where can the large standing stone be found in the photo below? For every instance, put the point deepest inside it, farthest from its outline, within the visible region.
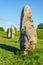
(8, 33)
(28, 36)
(12, 31)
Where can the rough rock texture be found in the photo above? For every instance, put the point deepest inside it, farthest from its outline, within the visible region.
(8, 33)
(12, 31)
(28, 36)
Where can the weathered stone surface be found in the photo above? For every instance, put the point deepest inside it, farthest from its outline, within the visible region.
(8, 33)
(28, 36)
(12, 31)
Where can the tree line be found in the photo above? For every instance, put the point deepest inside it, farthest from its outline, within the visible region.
(40, 26)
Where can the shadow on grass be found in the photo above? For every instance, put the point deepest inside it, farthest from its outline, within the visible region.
(6, 37)
(9, 48)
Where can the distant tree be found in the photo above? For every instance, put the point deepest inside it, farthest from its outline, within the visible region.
(40, 26)
(2, 29)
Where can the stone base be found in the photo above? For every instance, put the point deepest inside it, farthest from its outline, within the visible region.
(30, 49)
(25, 52)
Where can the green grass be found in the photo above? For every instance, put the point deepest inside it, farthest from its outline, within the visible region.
(40, 33)
(10, 54)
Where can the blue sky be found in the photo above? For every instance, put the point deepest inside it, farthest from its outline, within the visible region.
(10, 12)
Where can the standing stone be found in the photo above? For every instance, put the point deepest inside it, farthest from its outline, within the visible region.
(28, 36)
(12, 31)
(8, 33)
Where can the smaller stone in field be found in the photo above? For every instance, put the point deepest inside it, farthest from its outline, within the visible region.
(12, 31)
(8, 33)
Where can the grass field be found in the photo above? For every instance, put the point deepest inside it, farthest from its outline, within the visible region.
(40, 33)
(10, 52)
